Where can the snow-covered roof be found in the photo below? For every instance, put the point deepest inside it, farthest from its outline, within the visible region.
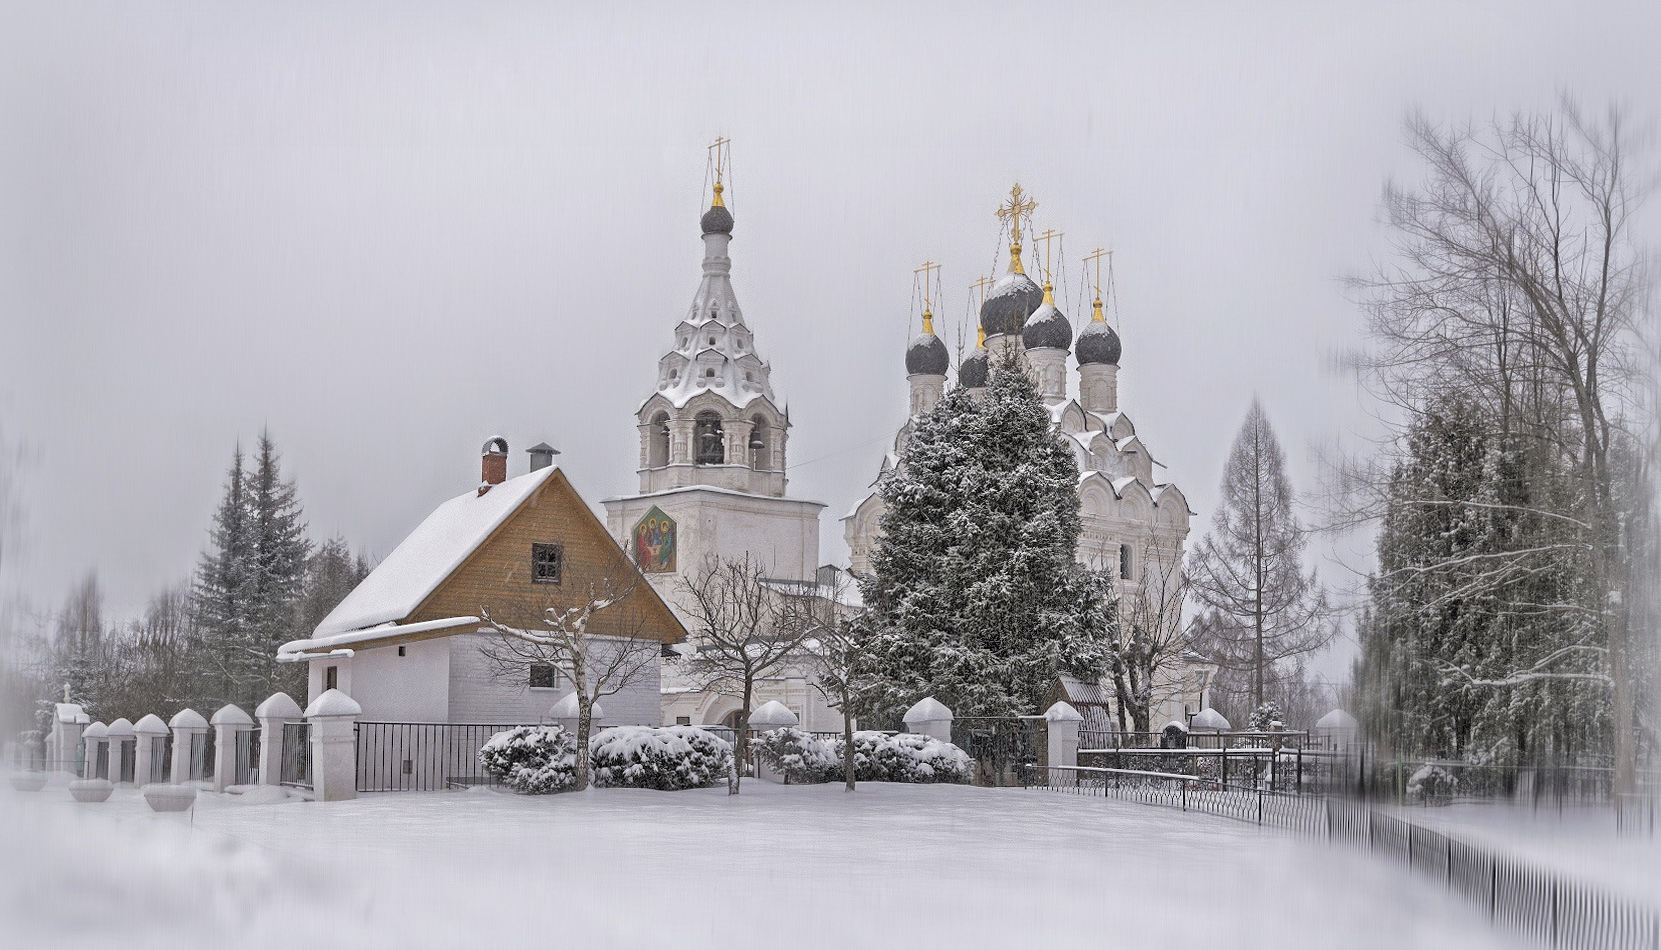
(429, 555)
(71, 712)
(308, 649)
(715, 490)
(1063, 711)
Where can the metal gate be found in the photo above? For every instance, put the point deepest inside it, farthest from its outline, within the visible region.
(422, 756)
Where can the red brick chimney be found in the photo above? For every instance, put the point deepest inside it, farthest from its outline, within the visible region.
(494, 466)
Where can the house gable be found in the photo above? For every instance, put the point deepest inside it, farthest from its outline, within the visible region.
(497, 577)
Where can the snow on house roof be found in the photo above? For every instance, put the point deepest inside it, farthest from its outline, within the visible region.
(430, 553)
(316, 647)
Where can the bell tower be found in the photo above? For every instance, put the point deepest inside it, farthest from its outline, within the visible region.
(712, 473)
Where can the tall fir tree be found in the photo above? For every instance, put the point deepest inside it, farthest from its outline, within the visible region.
(280, 555)
(1477, 578)
(223, 596)
(976, 594)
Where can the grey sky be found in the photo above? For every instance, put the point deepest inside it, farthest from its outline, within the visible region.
(391, 231)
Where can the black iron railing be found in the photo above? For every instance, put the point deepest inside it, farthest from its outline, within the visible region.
(1542, 905)
(422, 756)
(296, 764)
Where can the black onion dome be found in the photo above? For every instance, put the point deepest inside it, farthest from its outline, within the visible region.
(927, 356)
(1047, 327)
(1097, 343)
(971, 373)
(1008, 304)
(717, 220)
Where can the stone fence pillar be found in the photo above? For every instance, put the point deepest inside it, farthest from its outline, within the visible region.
(230, 723)
(93, 758)
(564, 714)
(1061, 725)
(765, 718)
(121, 741)
(152, 749)
(278, 710)
(67, 722)
(187, 726)
(930, 717)
(334, 748)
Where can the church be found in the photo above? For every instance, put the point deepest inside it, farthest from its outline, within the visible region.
(1134, 525)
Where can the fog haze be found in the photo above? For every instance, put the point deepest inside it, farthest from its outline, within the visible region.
(389, 232)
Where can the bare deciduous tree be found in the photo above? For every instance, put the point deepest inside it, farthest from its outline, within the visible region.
(1516, 282)
(598, 665)
(839, 653)
(1149, 638)
(1248, 571)
(744, 627)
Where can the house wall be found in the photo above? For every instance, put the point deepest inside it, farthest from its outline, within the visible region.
(479, 692)
(389, 687)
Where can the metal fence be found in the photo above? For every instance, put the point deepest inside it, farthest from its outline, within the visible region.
(296, 764)
(422, 756)
(1543, 905)
(998, 745)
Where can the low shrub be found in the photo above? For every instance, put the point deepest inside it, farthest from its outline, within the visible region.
(906, 757)
(799, 757)
(531, 760)
(1432, 785)
(667, 758)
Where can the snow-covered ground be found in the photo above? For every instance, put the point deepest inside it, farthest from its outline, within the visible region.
(800, 867)
(1579, 841)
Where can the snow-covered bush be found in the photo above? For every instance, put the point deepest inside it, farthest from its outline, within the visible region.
(667, 758)
(1174, 736)
(1267, 716)
(1432, 785)
(907, 757)
(531, 760)
(797, 756)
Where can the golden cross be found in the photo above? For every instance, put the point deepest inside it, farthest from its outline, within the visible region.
(1019, 205)
(720, 155)
(928, 270)
(1095, 257)
(979, 287)
(1048, 237)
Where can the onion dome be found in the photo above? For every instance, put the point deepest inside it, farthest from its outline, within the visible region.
(717, 220)
(1009, 302)
(1097, 343)
(927, 356)
(1048, 326)
(971, 373)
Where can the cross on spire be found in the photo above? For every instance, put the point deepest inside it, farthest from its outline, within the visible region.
(1048, 238)
(1095, 257)
(928, 270)
(720, 160)
(1020, 205)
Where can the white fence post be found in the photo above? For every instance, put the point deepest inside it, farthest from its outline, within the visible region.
(94, 760)
(229, 723)
(120, 734)
(150, 732)
(187, 724)
(1062, 723)
(67, 722)
(277, 710)
(930, 717)
(334, 753)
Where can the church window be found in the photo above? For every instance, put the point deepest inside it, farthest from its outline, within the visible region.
(547, 563)
(544, 676)
(709, 373)
(1125, 562)
(712, 341)
(710, 440)
(657, 453)
(331, 677)
(759, 454)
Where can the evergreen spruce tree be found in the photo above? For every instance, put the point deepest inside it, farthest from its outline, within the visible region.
(223, 597)
(976, 594)
(280, 552)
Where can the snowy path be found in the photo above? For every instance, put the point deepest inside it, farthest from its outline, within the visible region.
(800, 867)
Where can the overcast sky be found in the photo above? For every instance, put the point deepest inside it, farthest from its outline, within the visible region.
(390, 231)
